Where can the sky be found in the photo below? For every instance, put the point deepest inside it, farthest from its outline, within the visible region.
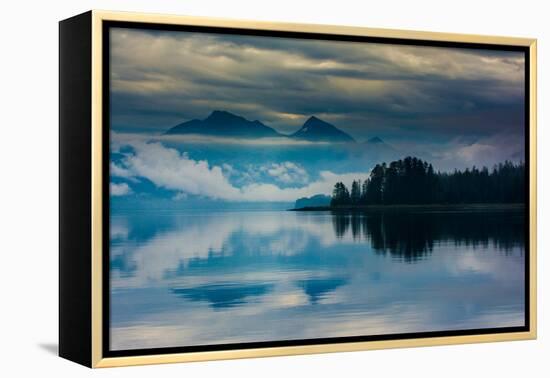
(161, 78)
(454, 107)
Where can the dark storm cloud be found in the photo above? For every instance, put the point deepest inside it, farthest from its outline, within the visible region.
(399, 92)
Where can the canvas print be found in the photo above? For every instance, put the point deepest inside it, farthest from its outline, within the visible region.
(287, 189)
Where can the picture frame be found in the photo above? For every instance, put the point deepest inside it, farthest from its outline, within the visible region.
(86, 108)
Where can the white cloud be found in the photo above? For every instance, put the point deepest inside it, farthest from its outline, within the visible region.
(471, 152)
(287, 173)
(209, 139)
(274, 193)
(120, 189)
(116, 170)
(180, 196)
(170, 169)
(460, 154)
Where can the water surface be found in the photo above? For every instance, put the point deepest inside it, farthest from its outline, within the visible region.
(187, 278)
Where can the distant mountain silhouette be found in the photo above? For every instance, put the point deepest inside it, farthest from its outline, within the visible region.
(380, 150)
(316, 200)
(375, 140)
(222, 123)
(225, 124)
(315, 129)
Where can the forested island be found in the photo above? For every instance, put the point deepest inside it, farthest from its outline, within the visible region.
(412, 181)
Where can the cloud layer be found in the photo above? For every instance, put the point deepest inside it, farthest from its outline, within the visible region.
(121, 189)
(170, 169)
(161, 78)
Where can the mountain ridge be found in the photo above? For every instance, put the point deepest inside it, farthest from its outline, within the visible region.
(375, 140)
(315, 129)
(225, 124)
(313, 201)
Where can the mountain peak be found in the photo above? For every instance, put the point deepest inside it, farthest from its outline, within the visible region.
(313, 119)
(222, 115)
(375, 140)
(223, 123)
(315, 129)
(317, 122)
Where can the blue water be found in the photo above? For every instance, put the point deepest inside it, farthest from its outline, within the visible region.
(181, 278)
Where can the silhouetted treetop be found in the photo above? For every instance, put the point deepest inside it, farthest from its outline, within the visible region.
(413, 181)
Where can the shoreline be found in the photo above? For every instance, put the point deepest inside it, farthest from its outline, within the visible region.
(428, 207)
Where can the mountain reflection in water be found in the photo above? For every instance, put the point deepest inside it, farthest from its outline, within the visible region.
(200, 278)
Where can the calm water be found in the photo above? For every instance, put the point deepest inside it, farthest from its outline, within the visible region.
(190, 278)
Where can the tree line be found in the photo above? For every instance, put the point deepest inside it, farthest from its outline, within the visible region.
(413, 181)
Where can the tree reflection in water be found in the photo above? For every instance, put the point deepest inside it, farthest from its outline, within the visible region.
(411, 236)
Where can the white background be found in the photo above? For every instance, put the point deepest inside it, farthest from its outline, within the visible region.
(29, 189)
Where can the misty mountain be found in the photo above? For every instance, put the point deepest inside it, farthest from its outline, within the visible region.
(374, 140)
(380, 150)
(223, 123)
(317, 200)
(315, 129)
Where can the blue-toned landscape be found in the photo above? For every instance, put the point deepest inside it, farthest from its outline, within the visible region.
(266, 189)
(197, 278)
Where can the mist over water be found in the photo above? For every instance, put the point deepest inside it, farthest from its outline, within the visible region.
(181, 278)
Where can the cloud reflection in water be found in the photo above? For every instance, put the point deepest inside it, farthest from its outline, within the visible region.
(203, 278)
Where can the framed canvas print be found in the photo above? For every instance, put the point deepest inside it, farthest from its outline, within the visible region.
(236, 189)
